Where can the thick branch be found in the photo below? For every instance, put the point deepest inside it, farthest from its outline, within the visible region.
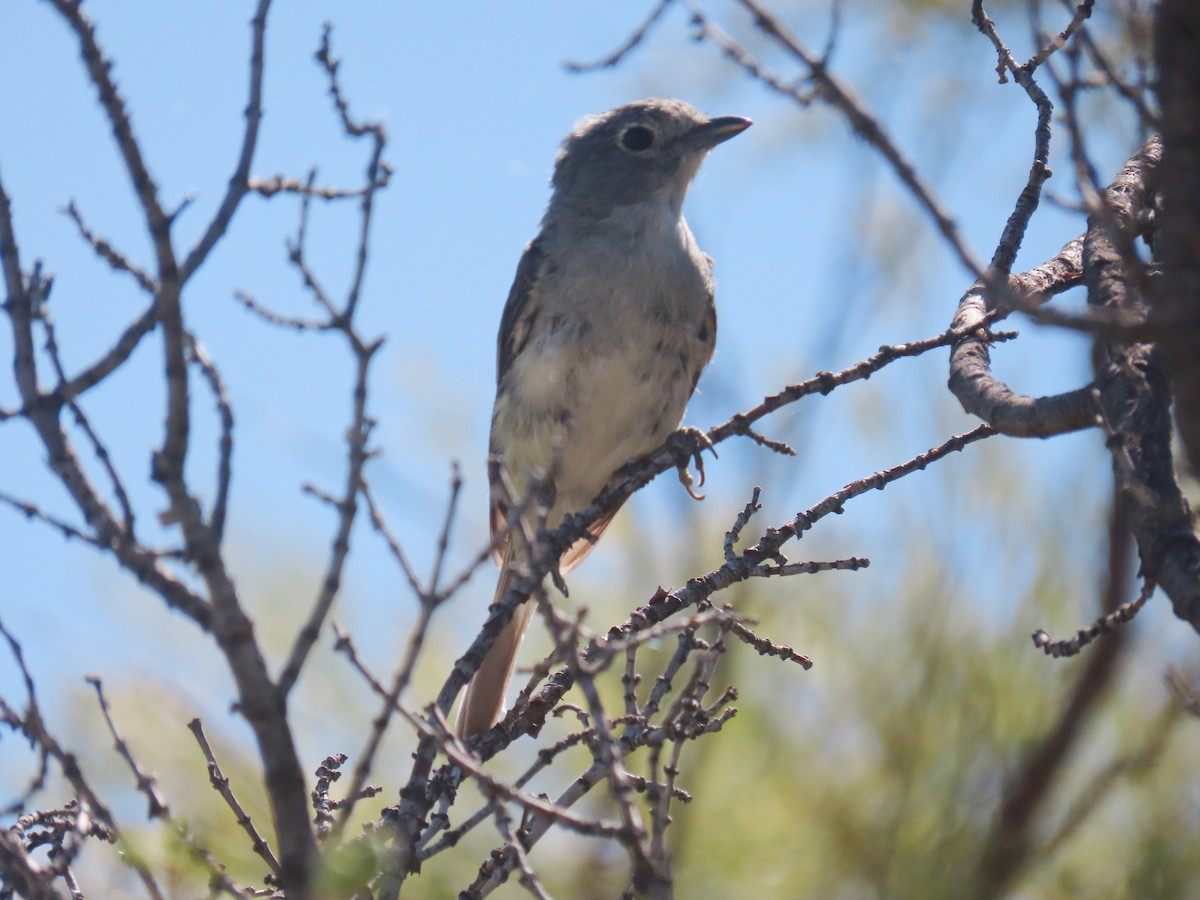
(981, 393)
(1135, 396)
(1177, 245)
(971, 379)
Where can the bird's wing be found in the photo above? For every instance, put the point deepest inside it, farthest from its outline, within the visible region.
(520, 310)
(516, 322)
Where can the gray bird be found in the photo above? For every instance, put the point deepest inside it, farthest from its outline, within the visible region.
(607, 327)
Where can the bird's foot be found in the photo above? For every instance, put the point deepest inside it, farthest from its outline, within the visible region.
(687, 445)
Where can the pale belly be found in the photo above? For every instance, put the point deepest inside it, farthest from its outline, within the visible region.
(581, 417)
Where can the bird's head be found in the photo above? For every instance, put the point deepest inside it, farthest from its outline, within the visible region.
(642, 151)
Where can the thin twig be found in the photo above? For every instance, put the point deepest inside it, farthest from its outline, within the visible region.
(274, 318)
(221, 784)
(1104, 625)
(636, 38)
(119, 261)
(225, 443)
(33, 726)
(146, 784)
(831, 90)
(281, 184)
(239, 183)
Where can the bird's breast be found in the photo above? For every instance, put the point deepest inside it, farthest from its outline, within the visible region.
(610, 362)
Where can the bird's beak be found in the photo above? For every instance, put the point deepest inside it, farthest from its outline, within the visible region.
(715, 131)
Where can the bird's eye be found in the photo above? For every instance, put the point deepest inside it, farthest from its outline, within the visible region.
(637, 138)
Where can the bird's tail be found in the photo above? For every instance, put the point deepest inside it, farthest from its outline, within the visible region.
(483, 703)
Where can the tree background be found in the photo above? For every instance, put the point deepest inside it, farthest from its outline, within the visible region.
(881, 771)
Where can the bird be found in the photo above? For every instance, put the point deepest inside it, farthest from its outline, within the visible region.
(608, 324)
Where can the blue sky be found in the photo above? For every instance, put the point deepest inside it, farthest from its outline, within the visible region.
(475, 99)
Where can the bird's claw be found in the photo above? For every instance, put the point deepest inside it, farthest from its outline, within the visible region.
(687, 445)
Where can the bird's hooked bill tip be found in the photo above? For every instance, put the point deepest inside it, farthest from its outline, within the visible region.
(714, 131)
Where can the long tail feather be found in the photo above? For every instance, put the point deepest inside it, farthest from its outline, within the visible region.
(483, 703)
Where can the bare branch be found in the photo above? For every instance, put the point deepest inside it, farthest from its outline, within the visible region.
(99, 72)
(98, 446)
(636, 38)
(30, 511)
(766, 647)
(831, 90)
(258, 700)
(358, 434)
(1134, 395)
(377, 170)
(443, 540)
(239, 183)
(225, 443)
(971, 379)
(21, 307)
(1102, 626)
(1082, 12)
(275, 318)
(113, 359)
(119, 261)
(1177, 300)
(381, 526)
(221, 784)
(147, 784)
(526, 718)
(33, 726)
(1027, 203)
(983, 395)
(281, 184)
(825, 382)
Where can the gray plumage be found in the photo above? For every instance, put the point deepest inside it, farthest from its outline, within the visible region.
(607, 327)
